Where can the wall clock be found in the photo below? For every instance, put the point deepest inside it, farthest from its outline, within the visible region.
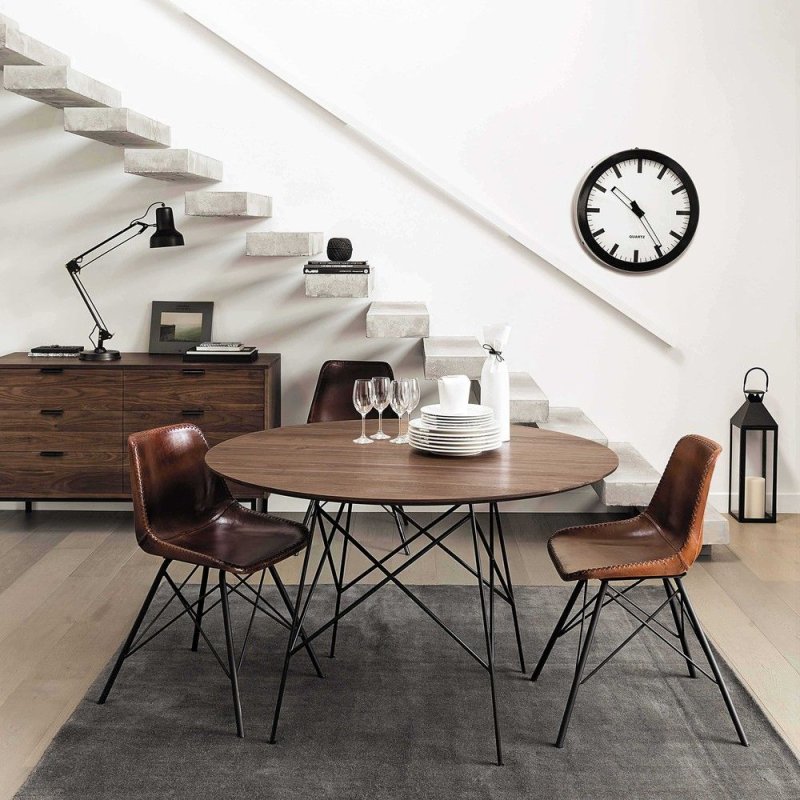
(637, 210)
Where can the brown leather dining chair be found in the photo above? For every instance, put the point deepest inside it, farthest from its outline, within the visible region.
(185, 513)
(659, 544)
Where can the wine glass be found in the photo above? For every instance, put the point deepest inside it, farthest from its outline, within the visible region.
(399, 399)
(363, 400)
(413, 397)
(381, 388)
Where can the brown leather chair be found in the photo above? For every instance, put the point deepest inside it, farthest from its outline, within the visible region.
(661, 544)
(185, 513)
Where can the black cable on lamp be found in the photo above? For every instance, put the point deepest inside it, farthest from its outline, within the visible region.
(165, 236)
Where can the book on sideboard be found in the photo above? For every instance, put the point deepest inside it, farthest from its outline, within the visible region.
(243, 356)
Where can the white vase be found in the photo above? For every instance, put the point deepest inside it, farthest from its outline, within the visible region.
(495, 389)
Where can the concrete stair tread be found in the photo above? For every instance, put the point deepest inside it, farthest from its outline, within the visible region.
(19, 49)
(227, 204)
(716, 529)
(173, 165)
(120, 127)
(453, 355)
(528, 402)
(632, 483)
(574, 422)
(59, 86)
(284, 243)
(397, 320)
(339, 285)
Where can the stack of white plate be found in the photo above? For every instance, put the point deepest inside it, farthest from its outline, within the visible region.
(468, 433)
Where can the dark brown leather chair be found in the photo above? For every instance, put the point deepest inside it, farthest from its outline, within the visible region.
(661, 544)
(185, 513)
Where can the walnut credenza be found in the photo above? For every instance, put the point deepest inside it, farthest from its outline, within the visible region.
(64, 423)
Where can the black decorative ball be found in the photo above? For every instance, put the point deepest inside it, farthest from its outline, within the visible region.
(339, 249)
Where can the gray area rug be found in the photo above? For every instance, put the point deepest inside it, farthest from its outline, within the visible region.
(404, 713)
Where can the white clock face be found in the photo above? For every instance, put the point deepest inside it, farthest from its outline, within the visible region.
(637, 210)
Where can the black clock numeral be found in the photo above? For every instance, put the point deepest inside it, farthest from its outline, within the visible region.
(635, 256)
(598, 186)
(598, 232)
(679, 189)
(684, 213)
(613, 249)
(616, 171)
(676, 235)
(638, 164)
(662, 172)
(592, 210)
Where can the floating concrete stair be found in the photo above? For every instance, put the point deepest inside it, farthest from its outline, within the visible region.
(453, 355)
(574, 422)
(528, 402)
(632, 483)
(398, 321)
(341, 285)
(173, 165)
(715, 527)
(60, 87)
(119, 127)
(263, 243)
(227, 204)
(18, 49)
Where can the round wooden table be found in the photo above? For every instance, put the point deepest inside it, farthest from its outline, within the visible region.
(320, 462)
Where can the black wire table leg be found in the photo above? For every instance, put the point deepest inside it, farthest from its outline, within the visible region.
(494, 511)
(134, 630)
(488, 630)
(199, 613)
(296, 623)
(232, 671)
(557, 630)
(340, 583)
(584, 654)
(675, 607)
(401, 529)
(712, 662)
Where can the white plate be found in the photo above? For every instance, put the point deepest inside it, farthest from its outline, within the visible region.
(469, 443)
(424, 426)
(441, 452)
(468, 412)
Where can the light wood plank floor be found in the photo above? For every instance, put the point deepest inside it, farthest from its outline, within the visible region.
(71, 583)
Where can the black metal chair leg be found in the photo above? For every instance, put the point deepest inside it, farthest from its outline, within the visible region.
(584, 654)
(134, 630)
(675, 607)
(712, 662)
(488, 630)
(232, 672)
(342, 565)
(557, 630)
(199, 613)
(296, 621)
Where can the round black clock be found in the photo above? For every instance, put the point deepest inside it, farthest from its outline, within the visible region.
(637, 210)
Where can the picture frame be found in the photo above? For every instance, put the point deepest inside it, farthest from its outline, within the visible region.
(176, 327)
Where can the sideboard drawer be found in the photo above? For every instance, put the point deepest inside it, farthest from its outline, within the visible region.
(46, 387)
(56, 473)
(60, 427)
(168, 389)
(216, 425)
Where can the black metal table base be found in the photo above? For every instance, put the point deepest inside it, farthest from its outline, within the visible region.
(488, 546)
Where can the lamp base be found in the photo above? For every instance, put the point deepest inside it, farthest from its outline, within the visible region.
(100, 355)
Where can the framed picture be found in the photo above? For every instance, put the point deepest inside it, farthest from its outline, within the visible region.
(177, 327)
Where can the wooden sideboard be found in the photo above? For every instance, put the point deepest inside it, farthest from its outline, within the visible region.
(64, 423)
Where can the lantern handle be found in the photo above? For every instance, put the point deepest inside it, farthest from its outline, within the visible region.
(744, 382)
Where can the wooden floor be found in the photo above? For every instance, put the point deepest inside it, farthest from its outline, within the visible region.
(71, 583)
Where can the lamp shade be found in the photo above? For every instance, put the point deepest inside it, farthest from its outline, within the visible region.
(165, 235)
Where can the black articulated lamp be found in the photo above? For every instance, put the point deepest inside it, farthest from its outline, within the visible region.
(165, 236)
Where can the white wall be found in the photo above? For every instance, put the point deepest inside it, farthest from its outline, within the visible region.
(511, 102)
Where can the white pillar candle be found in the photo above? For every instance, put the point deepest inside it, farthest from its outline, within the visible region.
(755, 496)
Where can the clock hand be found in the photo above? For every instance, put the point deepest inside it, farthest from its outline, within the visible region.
(649, 228)
(636, 208)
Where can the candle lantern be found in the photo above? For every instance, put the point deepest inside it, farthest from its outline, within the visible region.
(754, 448)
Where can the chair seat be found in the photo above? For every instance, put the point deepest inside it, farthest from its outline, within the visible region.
(625, 549)
(237, 540)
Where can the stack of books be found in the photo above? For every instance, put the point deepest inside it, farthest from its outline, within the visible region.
(56, 351)
(336, 268)
(210, 352)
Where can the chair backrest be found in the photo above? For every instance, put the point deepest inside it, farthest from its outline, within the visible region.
(173, 489)
(333, 397)
(679, 503)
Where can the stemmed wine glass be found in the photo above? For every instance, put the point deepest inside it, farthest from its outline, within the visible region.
(363, 400)
(413, 397)
(381, 388)
(399, 398)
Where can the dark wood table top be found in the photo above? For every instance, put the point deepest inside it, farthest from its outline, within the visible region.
(321, 462)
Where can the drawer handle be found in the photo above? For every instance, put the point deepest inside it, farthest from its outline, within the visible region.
(51, 453)
(52, 412)
(51, 370)
(193, 371)
(193, 412)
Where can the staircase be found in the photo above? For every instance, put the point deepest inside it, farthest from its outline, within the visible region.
(94, 110)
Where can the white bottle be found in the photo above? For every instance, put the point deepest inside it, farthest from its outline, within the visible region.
(495, 389)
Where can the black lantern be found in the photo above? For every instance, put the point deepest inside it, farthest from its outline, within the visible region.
(755, 450)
